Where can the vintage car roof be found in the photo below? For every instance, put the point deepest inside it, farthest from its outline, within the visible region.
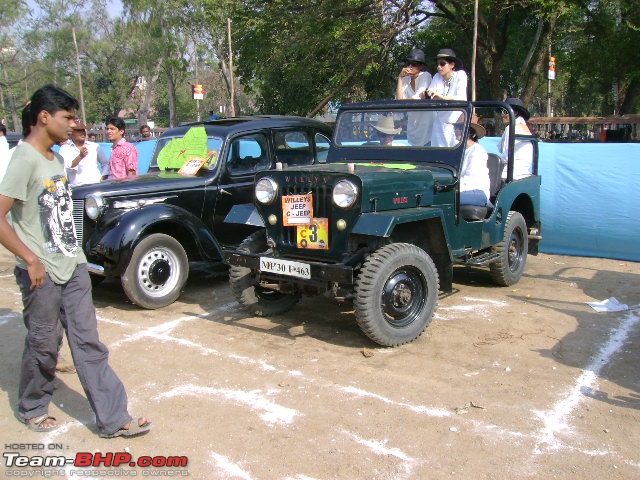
(226, 126)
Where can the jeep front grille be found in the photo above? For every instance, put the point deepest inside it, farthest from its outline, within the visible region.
(322, 203)
(78, 219)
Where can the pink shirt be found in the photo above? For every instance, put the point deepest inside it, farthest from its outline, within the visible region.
(124, 157)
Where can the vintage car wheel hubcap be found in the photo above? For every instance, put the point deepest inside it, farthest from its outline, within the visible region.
(157, 273)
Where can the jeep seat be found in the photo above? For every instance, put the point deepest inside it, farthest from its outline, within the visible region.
(473, 213)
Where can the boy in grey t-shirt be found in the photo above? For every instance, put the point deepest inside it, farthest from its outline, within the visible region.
(52, 274)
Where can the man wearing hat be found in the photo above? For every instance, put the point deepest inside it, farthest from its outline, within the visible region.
(523, 149)
(449, 83)
(84, 161)
(474, 173)
(413, 82)
(385, 128)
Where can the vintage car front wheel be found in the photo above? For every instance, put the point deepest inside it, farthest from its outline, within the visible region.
(157, 272)
(259, 301)
(396, 294)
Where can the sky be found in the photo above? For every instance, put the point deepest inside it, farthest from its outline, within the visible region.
(114, 7)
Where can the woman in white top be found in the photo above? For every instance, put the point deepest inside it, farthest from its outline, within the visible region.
(413, 82)
(450, 83)
(474, 173)
(523, 149)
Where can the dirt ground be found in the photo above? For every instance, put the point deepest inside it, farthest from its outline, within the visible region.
(521, 382)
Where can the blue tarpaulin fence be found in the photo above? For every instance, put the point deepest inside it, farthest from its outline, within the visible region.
(589, 198)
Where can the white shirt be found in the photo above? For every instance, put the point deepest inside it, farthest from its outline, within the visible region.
(4, 156)
(523, 154)
(443, 133)
(423, 80)
(419, 124)
(90, 169)
(474, 173)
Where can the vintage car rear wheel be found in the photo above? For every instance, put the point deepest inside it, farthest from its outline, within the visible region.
(157, 272)
(512, 252)
(396, 294)
(259, 301)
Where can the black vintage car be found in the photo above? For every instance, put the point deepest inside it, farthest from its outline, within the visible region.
(146, 229)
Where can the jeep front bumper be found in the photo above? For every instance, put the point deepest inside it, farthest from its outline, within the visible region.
(291, 270)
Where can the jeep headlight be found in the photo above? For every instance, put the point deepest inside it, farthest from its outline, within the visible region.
(94, 205)
(266, 190)
(345, 194)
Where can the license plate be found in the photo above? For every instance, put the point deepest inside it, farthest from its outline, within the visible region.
(285, 267)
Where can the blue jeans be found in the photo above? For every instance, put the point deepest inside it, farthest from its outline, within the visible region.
(71, 304)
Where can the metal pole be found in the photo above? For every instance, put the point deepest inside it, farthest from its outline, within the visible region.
(232, 93)
(475, 47)
(84, 117)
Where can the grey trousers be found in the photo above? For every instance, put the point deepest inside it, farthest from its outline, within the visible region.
(72, 305)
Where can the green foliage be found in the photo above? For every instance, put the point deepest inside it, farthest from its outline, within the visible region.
(296, 57)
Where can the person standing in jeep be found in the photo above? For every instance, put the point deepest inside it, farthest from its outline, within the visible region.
(124, 155)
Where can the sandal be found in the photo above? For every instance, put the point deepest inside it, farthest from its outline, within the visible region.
(133, 430)
(35, 424)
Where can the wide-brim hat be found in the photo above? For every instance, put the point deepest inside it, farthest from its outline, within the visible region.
(416, 55)
(479, 129)
(449, 54)
(80, 126)
(385, 125)
(518, 107)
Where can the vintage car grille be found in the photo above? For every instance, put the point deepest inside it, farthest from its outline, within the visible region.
(78, 219)
(322, 204)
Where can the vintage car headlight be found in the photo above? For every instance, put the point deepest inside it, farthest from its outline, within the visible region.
(345, 194)
(94, 205)
(266, 190)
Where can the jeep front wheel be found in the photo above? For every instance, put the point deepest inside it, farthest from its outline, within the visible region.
(157, 272)
(396, 294)
(259, 301)
(512, 252)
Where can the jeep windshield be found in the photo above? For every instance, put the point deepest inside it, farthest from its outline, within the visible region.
(409, 131)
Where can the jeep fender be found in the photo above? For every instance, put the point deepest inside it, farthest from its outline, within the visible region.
(244, 214)
(382, 224)
(401, 225)
(119, 239)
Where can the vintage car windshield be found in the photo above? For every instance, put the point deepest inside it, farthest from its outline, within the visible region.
(416, 128)
(173, 152)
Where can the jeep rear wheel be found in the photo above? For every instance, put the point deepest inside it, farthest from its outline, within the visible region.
(512, 252)
(156, 273)
(396, 294)
(259, 301)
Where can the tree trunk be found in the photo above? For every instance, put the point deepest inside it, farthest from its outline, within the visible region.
(630, 100)
(540, 62)
(171, 91)
(145, 106)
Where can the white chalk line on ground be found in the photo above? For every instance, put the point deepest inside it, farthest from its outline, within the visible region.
(557, 420)
(379, 447)
(230, 469)
(272, 413)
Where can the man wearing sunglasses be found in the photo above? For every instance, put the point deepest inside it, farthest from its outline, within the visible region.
(413, 82)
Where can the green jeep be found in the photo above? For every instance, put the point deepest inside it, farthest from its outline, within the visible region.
(381, 224)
